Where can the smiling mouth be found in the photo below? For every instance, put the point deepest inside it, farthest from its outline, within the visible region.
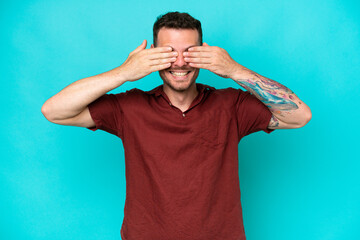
(179, 74)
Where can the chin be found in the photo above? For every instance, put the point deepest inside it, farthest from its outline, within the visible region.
(179, 80)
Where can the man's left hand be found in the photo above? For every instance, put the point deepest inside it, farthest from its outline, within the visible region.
(212, 58)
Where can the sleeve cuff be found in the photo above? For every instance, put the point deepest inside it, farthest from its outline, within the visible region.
(94, 118)
(265, 128)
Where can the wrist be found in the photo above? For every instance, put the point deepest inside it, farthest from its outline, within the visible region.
(241, 73)
(121, 75)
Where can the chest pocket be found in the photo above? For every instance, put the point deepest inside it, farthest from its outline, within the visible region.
(214, 128)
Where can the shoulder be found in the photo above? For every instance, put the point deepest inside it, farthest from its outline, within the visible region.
(229, 91)
(129, 95)
(228, 94)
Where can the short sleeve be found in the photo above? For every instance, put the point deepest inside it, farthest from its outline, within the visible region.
(252, 114)
(107, 114)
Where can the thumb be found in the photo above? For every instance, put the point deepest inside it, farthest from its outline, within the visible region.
(205, 44)
(141, 47)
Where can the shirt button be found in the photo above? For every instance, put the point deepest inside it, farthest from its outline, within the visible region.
(183, 114)
(170, 104)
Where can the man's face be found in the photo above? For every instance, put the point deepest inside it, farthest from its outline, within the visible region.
(180, 76)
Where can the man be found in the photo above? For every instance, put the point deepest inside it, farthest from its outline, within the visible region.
(181, 138)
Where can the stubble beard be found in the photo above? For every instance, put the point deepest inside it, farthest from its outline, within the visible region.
(181, 88)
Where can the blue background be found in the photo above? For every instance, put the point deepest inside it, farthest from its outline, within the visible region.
(62, 182)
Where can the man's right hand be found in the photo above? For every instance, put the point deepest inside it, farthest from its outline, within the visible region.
(70, 105)
(141, 62)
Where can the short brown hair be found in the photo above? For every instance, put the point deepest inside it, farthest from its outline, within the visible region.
(176, 20)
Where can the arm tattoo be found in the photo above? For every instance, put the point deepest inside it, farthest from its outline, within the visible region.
(274, 95)
(273, 122)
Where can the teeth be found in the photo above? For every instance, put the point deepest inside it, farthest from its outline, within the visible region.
(179, 73)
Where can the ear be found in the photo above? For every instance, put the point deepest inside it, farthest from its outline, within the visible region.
(152, 46)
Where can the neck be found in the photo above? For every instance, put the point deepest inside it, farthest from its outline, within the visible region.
(181, 99)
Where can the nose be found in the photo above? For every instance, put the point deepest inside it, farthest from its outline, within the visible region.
(180, 62)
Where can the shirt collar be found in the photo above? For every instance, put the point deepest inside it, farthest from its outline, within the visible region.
(159, 89)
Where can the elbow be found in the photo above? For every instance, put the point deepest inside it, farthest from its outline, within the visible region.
(45, 110)
(306, 119)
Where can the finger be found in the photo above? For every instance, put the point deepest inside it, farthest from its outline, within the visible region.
(200, 49)
(205, 44)
(198, 60)
(161, 61)
(159, 50)
(200, 65)
(160, 67)
(141, 47)
(197, 54)
(163, 55)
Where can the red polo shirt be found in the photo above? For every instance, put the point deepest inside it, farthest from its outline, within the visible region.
(181, 168)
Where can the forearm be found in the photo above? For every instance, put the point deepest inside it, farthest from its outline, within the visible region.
(74, 98)
(281, 101)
